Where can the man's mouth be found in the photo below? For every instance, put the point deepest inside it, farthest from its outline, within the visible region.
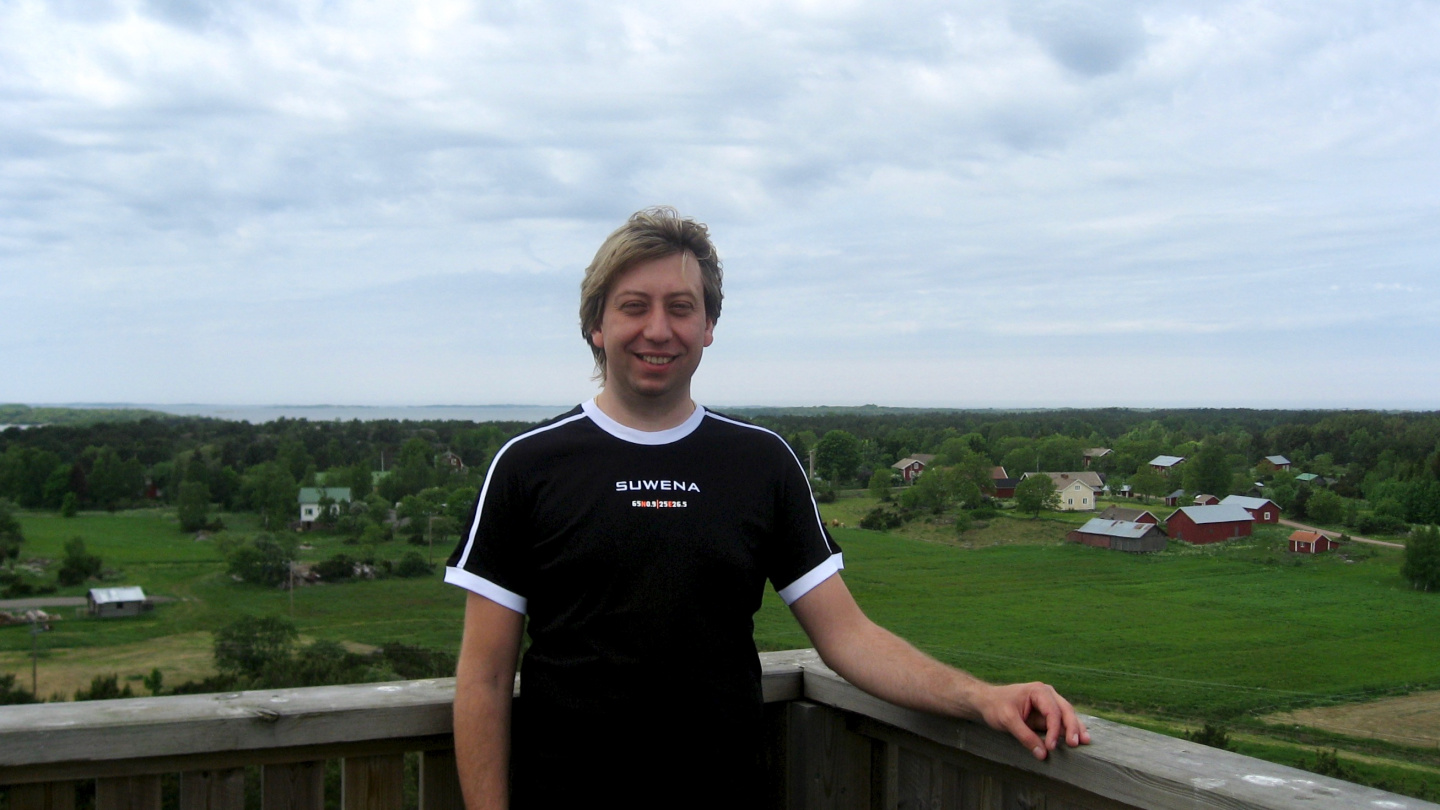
(656, 360)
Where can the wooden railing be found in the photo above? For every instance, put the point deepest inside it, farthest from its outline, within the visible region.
(829, 746)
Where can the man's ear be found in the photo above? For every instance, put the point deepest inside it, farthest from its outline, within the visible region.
(597, 339)
(709, 332)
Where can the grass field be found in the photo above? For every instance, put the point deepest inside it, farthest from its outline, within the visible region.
(1227, 632)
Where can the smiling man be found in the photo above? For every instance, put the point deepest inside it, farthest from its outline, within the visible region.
(636, 534)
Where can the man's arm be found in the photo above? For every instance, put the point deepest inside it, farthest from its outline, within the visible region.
(883, 664)
(484, 683)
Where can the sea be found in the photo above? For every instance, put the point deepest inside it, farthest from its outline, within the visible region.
(259, 414)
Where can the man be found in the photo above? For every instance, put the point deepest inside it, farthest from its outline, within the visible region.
(637, 532)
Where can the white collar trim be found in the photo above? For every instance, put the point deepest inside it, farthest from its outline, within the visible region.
(652, 437)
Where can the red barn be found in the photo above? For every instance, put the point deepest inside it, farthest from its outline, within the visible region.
(1209, 524)
(1303, 542)
(1263, 510)
(1206, 500)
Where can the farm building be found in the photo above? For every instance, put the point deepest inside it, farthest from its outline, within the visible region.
(1303, 542)
(910, 467)
(1206, 500)
(1120, 535)
(1173, 499)
(1078, 491)
(1209, 524)
(1132, 515)
(1126, 491)
(1005, 487)
(123, 601)
(1307, 478)
(310, 498)
(449, 460)
(1274, 463)
(1263, 510)
(1093, 453)
(1164, 464)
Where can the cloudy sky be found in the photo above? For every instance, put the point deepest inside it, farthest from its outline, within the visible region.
(958, 204)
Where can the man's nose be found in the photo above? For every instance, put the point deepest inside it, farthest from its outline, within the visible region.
(657, 326)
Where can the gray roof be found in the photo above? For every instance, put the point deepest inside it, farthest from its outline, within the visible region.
(1121, 513)
(1278, 461)
(1307, 477)
(1247, 502)
(1065, 479)
(1179, 493)
(1218, 513)
(1117, 528)
(1166, 461)
(126, 593)
(313, 494)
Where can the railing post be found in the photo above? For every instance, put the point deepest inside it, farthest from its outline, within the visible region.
(213, 790)
(127, 793)
(372, 783)
(440, 781)
(293, 786)
(43, 796)
(829, 765)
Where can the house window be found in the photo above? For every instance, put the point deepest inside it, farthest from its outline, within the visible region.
(1069, 501)
(1267, 515)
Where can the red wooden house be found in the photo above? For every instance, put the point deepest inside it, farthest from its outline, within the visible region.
(1303, 542)
(1209, 524)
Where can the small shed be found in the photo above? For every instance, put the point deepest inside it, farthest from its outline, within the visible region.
(1263, 510)
(1209, 524)
(1119, 535)
(1307, 478)
(1173, 499)
(1303, 542)
(1206, 500)
(127, 600)
(1005, 487)
(1092, 453)
(1126, 491)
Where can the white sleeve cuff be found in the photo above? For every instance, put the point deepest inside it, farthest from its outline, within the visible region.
(815, 576)
(487, 589)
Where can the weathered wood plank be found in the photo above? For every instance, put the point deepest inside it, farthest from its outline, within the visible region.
(43, 796)
(293, 786)
(829, 765)
(440, 781)
(127, 793)
(372, 783)
(1124, 764)
(213, 790)
(187, 725)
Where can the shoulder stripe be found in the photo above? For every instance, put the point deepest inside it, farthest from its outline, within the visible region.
(495, 462)
(487, 589)
(806, 583)
(818, 520)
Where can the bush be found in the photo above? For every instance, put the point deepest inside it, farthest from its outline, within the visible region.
(880, 519)
(261, 561)
(1422, 559)
(1214, 736)
(245, 646)
(336, 569)
(964, 521)
(104, 687)
(12, 693)
(984, 512)
(413, 565)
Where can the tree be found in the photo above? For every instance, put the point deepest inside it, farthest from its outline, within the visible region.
(1325, 506)
(79, 565)
(1147, 483)
(155, 681)
(69, 505)
(1422, 558)
(193, 506)
(1035, 493)
(11, 535)
(245, 646)
(261, 561)
(1207, 471)
(837, 454)
(270, 490)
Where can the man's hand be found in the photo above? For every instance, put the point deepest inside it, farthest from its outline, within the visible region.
(1023, 709)
(883, 664)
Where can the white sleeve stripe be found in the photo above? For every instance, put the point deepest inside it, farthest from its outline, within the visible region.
(487, 589)
(817, 575)
(485, 488)
(818, 520)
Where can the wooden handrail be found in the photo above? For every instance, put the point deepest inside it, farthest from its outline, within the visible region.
(836, 745)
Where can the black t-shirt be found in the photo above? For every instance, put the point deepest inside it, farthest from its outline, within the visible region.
(640, 559)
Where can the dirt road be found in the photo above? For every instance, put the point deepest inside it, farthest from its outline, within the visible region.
(1292, 524)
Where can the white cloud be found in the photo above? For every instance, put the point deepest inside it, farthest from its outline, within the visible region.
(1153, 179)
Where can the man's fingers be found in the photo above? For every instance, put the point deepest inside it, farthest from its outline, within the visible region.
(1021, 731)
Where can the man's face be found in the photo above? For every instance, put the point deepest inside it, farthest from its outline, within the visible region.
(654, 328)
